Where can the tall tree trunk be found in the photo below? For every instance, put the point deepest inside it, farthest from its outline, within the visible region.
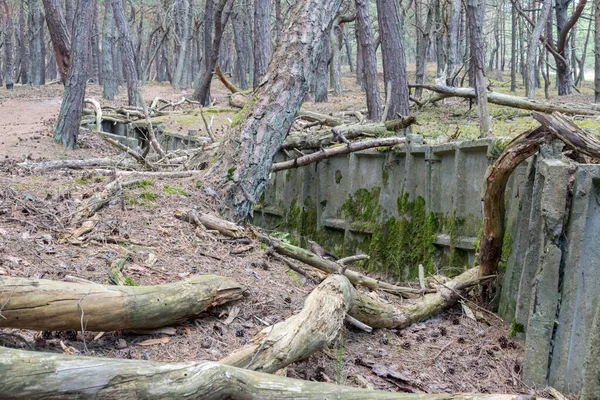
(597, 51)
(439, 38)
(348, 46)
(476, 16)
(241, 45)
(60, 35)
(369, 59)
(70, 6)
(360, 69)
(23, 53)
(37, 44)
(533, 44)
(262, 39)
(321, 82)
(269, 117)
(179, 80)
(133, 94)
(394, 63)
(278, 21)
(209, 22)
(109, 80)
(95, 68)
(69, 118)
(8, 29)
(453, 34)
(202, 92)
(335, 67)
(423, 42)
(581, 76)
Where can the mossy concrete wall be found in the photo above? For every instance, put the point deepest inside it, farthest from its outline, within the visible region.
(419, 204)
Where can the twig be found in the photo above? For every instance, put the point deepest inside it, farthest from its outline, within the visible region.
(259, 348)
(360, 325)
(82, 324)
(340, 135)
(153, 142)
(442, 350)
(351, 259)
(208, 127)
(271, 252)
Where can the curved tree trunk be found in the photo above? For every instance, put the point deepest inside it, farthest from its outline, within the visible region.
(71, 109)
(268, 117)
(47, 305)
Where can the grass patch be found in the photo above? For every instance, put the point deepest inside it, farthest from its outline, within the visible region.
(174, 190)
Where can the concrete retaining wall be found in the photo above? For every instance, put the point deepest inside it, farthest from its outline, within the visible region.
(422, 204)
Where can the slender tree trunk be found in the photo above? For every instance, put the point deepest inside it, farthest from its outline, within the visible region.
(476, 16)
(394, 63)
(439, 38)
(321, 82)
(268, 118)
(95, 63)
(335, 67)
(8, 29)
(109, 80)
(37, 44)
(179, 80)
(70, 6)
(209, 22)
(581, 76)
(423, 42)
(369, 59)
(563, 69)
(133, 94)
(533, 44)
(597, 51)
(69, 118)
(241, 45)
(348, 46)
(262, 39)
(360, 70)
(60, 35)
(453, 34)
(202, 92)
(278, 21)
(23, 51)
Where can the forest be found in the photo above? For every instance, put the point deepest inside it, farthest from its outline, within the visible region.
(268, 199)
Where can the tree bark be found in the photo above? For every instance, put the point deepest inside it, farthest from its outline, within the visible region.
(69, 118)
(180, 78)
(394, 62)
(267, 118)
(335, 67)
(241, 45)
(47, 305)
(453, 33)
(37, 375)
(423, 42)
(262, 39)
(8, 28)
(369, 60)
(134, 96)
(37, 45)
(533, 42)
(316, 326)
(597, 51)
(513, 50)
(321, 81)
(23, 51)
(476, 17)
(60, 35)
(109, 80)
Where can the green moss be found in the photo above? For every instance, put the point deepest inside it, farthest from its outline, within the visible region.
(83, 180)
(288, 175)
(516, 328)
(199, 184)
(230, 172)
(294, 276)
(241, 115)
(506, 250)
(149, 196)
(173, 190)
(144, 183)
(338, 176)
(363, 206)
(385, 174)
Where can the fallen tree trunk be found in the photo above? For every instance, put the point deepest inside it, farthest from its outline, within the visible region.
(47, 305)
(336, 151)
(37, 375)
(78, 164)
(313, 328)
(510, 101)
(315, 140)
(332, 267)
(384, 315)
(211, 222)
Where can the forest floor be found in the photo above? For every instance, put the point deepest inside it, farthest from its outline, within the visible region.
(448, 353)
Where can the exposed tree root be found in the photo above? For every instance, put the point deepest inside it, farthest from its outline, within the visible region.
(42, 304)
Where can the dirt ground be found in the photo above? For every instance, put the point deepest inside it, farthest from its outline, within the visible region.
(448, 353)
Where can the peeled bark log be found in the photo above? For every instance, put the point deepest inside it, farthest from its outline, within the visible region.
(43, 304)
(384, 315)
(313, 328)
(36, 375)
(513, 101)
(336, 151)
(211, 222)
(332, 267)
(572, 135)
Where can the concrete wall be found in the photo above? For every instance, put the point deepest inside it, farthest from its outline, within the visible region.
(428, 197)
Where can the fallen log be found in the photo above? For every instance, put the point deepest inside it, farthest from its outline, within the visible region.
(77, 164)
(332, 267)
(385, 315)
(336, 151)
(197, 218)
(37, 375)
(47, 305)
(314, 327)
(316, 140)
(570, 133)
(511, 101)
